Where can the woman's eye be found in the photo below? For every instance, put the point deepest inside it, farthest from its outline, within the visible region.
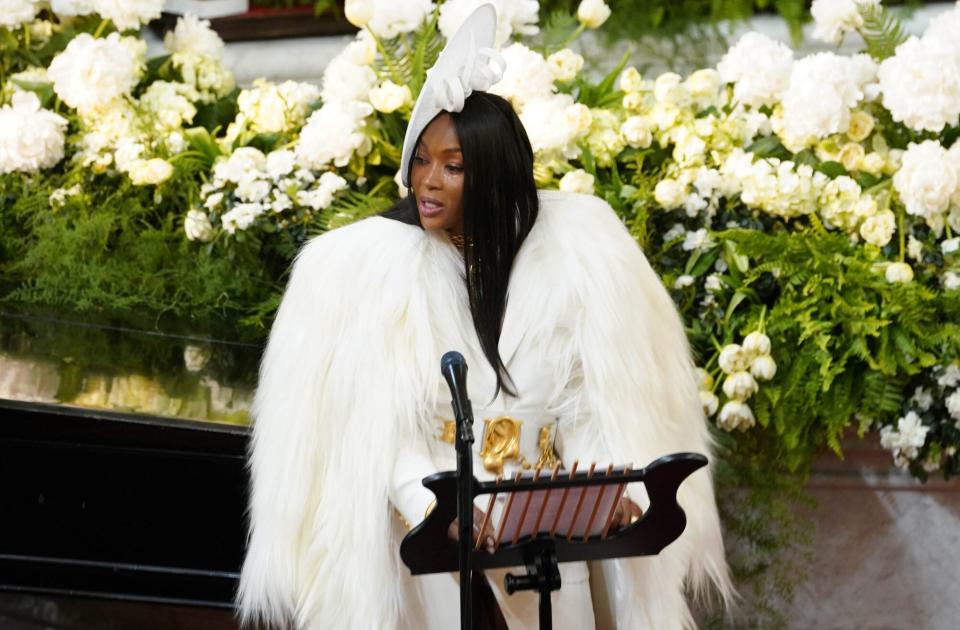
(454, 168)
(419, 160)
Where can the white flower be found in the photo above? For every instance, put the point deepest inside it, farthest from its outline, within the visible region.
(822, 89)
(90, 73)
(676, 231)
(631, 81)
(333, 134)
(593, 13)
(950, 376)
(527, 76)
(710, 402)
(698, 239)
(170, 103)
(31, 138)
(195, 358)
(951, 280)
(241, 217)
(345, 81)
(703, 84)
(577, 181)
(322, 195)
(763, 368)
(740, 386)
(197, 226)
(713, 283)
(243, 165)
(899, 272)
(733, 358)
(280, 163)
(129, 14)
(704, 380)
(861, 124)
(669, 193)
(833, 18)
(756, 344)
(389, 97)
(391, 18)
(212, 201)
(926, 180)
(953, 405)
(950, 245)
(759, 68)
(358, 12)
(922, 398)
(564, 64)
(513, 16)
(270, 108)
(13, 13)
(149, 172)
(554, 123)
(907, 439)
(879, 228)
(193, 36)
(207, 74)
(921, 84)
(682, 282)
(780, 188)
(253, 190)
(736, 415)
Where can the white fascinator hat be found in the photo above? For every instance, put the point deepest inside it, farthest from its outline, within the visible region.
(466, 64)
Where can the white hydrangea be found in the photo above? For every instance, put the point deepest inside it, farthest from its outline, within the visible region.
(103, 132)
(833, 18)
(345, 81)
(322, 195)
(280, 163)
(759, 68)
(842, 204)
(392, 18)
(526, 77)
(207, 74)
(783, 189)
(171, 104)
(245, 164)
(927, 180)
(31, 138)
(270, 108)
(333, 134)
(128, 14)
(823, 88)
(91, 73)
(921, 84)
(13, 13)
(193, 36)
(906, 440)
(551, 124)
(945, 28)
(513, 16)
(241, 216)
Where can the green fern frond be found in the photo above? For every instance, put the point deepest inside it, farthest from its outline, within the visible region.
(882, 31)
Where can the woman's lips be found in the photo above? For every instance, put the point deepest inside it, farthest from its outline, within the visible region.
(429, 207)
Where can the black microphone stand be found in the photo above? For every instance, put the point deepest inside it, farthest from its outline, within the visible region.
(454, 369)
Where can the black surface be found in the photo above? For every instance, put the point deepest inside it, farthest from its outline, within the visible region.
(120, 505)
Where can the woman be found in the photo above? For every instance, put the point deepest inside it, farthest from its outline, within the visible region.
(575, 352)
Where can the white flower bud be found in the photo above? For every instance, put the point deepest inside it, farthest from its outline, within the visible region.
(704, 380)
(668, 89)
(851, 156)
(899, 272)
(636, 133)
(389, 97)
(577, 181)
(593, 13)
(878, 229)
(149, 172)
(736, 415)
(358, 12)
(756, 344)
(670, 193)
(631, 81)
(197, 226)
(710, 402)
(740, 386)
(763, 368)
(633, 101)
(579, 118)
(703, 82)
(733, 359)
(564, 64)
(682, 282)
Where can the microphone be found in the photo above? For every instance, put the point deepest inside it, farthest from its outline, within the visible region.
(454, 369)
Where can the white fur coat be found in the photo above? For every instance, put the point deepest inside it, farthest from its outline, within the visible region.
(351, 371)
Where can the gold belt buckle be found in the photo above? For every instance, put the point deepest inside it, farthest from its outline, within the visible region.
(501, 441)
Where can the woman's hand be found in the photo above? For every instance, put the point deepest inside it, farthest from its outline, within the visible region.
(478, 515)
(627, 512)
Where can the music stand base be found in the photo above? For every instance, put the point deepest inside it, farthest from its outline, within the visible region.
(543, 576)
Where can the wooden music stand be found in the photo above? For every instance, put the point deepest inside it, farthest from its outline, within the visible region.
(582, 506)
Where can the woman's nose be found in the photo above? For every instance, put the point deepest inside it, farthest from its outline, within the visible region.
(434, 178)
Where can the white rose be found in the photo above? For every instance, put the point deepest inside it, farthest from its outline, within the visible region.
(733, 358)
(921, 84)
(736, 415)
(31, 138)
(740, 386)
(899, 272)
(13, 13)
(593, 13)
(926, 180)
(756, 344)
(388, 97)
(763, 368)
(669, 193)
(579, 118)
(197, 226)
(710, 402)
(554, 123)
(358, 12)
(878, 229)
(333, 134)
(149, 172)
(636, 133)
(564, 64)
(577, 181)
(527, 76)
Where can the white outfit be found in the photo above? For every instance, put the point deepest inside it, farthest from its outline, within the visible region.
(351, 400)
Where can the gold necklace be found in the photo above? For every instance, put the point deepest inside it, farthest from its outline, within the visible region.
(458, 240)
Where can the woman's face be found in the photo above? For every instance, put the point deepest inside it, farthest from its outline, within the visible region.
(436, 176)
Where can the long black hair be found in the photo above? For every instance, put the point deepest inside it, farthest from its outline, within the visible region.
(500, 206)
